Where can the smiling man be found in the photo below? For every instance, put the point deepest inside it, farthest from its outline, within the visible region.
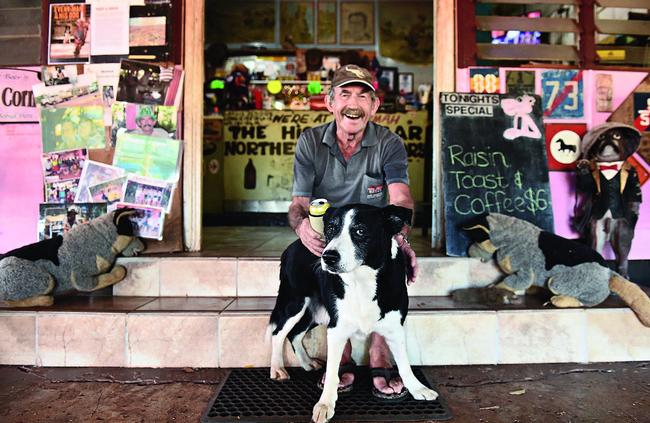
(353, 160)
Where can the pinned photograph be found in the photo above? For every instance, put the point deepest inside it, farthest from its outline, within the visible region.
(148, 192)
(57, 219)
(73, 127)
(109, 192)
(142, 83)
(59, 75)
(61, 192)
(148, 221)
(69, 37)
(92, 174)
(63, 165)
(143, 119)
(152, 157)
(83, 92)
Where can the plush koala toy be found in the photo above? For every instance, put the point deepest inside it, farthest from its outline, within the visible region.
(575, 274)
(80, 260)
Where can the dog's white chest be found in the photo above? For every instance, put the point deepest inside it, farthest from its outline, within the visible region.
(359, 307)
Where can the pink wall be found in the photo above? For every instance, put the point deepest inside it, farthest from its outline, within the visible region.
(21, 184)
(562, 183)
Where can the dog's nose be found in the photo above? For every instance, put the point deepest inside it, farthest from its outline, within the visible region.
(331, 257)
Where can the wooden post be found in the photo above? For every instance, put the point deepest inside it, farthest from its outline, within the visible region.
(194, 39)
(444, 79)
(587, 20)
(466, 25)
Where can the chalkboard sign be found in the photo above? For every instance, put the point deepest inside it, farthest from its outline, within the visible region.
(494, 161)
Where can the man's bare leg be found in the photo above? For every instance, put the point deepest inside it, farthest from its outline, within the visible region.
(380, 357)
(346, 379)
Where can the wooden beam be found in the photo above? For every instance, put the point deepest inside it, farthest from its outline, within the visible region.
(527, 2)
(194, 39)
(527, 52)
(444, 79)
(628, 4)
(615, 26)
(489, 23)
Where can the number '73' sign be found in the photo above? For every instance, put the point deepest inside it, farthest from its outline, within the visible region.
(562, 94)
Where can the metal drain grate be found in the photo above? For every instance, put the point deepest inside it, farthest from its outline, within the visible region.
(249, 395)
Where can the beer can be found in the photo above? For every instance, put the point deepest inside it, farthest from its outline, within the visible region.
(317, 209)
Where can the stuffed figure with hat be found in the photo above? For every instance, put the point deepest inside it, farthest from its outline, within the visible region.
(531, 258)
(610, 190)
(80, 260)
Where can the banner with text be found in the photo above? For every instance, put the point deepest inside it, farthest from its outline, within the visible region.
(260, 146)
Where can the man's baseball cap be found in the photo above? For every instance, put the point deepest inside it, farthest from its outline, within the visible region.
(352, 74)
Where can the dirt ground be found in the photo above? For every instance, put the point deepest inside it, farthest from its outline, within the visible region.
(609, 392)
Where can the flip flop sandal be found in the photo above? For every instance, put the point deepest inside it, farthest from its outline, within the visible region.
(388, 375)
(345, 368)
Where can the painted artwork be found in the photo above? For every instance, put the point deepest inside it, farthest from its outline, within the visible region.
(406, 31)
(296, 22)
(73, 127)
(326, 27)
(240, 21)
(562, 94)
(357, 23)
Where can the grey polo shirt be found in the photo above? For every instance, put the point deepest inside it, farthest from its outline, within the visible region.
(320, 171)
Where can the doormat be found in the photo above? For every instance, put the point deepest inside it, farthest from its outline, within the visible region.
(249, 395)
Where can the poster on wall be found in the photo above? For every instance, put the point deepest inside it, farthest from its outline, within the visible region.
(494, 161)
(17, 100)
(562, 94)
(260, 148)
(69, 33)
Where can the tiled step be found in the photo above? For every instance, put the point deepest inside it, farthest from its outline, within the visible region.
(253, 277)
(229, 332)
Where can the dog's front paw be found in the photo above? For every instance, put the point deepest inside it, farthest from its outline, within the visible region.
(423, 393)
(322, 413)
(279, 373)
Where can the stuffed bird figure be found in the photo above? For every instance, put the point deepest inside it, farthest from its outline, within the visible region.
(575, 274)
(80, 260)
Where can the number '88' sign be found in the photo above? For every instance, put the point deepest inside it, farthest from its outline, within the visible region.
(562, 94)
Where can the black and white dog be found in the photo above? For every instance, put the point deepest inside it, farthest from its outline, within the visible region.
(357, 287)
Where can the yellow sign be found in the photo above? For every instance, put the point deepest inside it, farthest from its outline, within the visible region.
(611, 55)
(260, 146)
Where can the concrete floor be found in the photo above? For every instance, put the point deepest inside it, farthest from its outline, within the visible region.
(607, 392)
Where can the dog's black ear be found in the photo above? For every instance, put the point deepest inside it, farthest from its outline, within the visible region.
(395, 217)
(478, 228)
(122, 222)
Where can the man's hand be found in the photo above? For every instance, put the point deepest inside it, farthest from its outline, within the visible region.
(310, 238)
(409, 256)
